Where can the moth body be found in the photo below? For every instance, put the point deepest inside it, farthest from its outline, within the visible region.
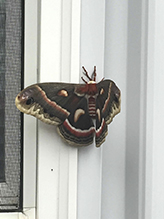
(92, 106)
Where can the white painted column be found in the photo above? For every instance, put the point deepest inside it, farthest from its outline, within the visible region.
(154, 181)
(90, 158)
(114, 148)
(59, 61)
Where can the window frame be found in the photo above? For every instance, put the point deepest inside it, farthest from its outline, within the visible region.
(30, 126)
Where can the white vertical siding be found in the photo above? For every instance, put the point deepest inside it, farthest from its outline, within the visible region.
(59, 61)
(114, 149)
(154, 198)
(90, 158)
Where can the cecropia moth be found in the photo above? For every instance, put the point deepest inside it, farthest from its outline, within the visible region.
(73, 108)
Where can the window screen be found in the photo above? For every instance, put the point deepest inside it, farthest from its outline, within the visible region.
(11, 69)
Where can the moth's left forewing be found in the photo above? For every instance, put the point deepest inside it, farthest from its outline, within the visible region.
(49, 102)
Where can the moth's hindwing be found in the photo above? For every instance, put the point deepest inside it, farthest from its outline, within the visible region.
(101, 128)
(78, 128)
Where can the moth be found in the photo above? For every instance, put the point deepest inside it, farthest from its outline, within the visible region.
(81, 112)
